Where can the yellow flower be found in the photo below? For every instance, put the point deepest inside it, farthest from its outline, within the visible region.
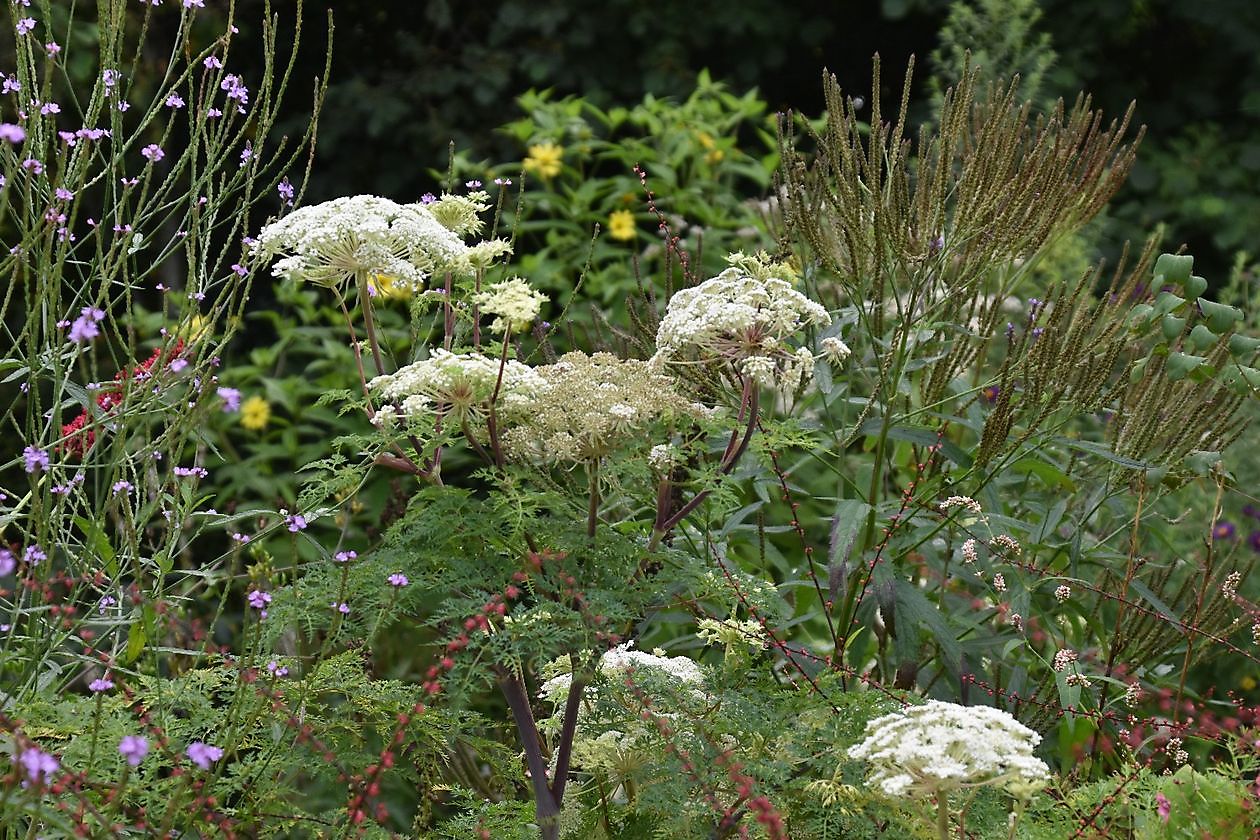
(712, 153)
(544, 159)
(621, 225)
(387, 288)
(195, 328)
(255, 412)
(1247, 683)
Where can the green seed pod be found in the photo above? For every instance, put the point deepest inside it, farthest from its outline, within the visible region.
(1201, 338)
(1243, 345)
(1179, 365)
(1175, 268)
(1172, 326)
(1220, 316)
(1166, 302)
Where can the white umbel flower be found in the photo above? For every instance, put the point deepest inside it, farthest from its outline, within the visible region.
(739, 318)
(939, 747)
(331, 243)
(462, 384)
(514, 301)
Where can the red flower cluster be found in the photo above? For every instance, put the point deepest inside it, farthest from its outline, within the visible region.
(78, 439)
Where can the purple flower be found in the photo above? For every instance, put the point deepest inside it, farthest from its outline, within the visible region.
(1223, 531)
(295, 521)
(174, 101)
(398, 579)
(196, 472)
(259, 599)
(1162, 807)
(428, 198)
(25, 25)
(34, 166)
(231, 399)
(240, 538)
(85, 326)
(121, 486)
(153, 152)
(345, 556)
(199, 4)
(39, 765)
(7, 562)
(473, 184)
(110, 77)
(134, 748)
(63, 193)
(178, 364)
(49, 108)
(11, 84)
(240, 270)
(1254, 541)
(100, 684)
(202, 754)
(213, 113)
(1251, 511)
(276, 669)
(503, 182)
(212, 62)
(34, 555)
(105, 603)
(52, 48)
(36, 459)
(286, 191)
(341, 607)
(236, 90)
(247, 153)
(12, 133)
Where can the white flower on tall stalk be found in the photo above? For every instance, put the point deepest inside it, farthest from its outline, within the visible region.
(936, 748)
(461, 385)
(361, 236)
(515, 302)
(743, 316)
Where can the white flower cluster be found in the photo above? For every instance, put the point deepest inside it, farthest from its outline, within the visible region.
(514, 301)
(733, 634)
(330, 243)
(462, 384)
(611, 736)
(939, 747)
(621, 659)
(744, 318)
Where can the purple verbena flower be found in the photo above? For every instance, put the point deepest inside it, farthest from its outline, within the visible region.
(345, 556)
(286, 191)
(398, 579)
(7, 562)
(258, 599)
(134, 748)
(36, 459)
(231, 399)
(202, 754)
(100, 684)
(34, 555)
(295, 521)
(39, 765)
(25, 25)
(174, 101)
(153, 152)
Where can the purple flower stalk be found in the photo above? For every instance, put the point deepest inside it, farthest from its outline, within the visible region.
(35, 459)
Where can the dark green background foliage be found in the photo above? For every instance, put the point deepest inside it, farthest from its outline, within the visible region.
(411, 76)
